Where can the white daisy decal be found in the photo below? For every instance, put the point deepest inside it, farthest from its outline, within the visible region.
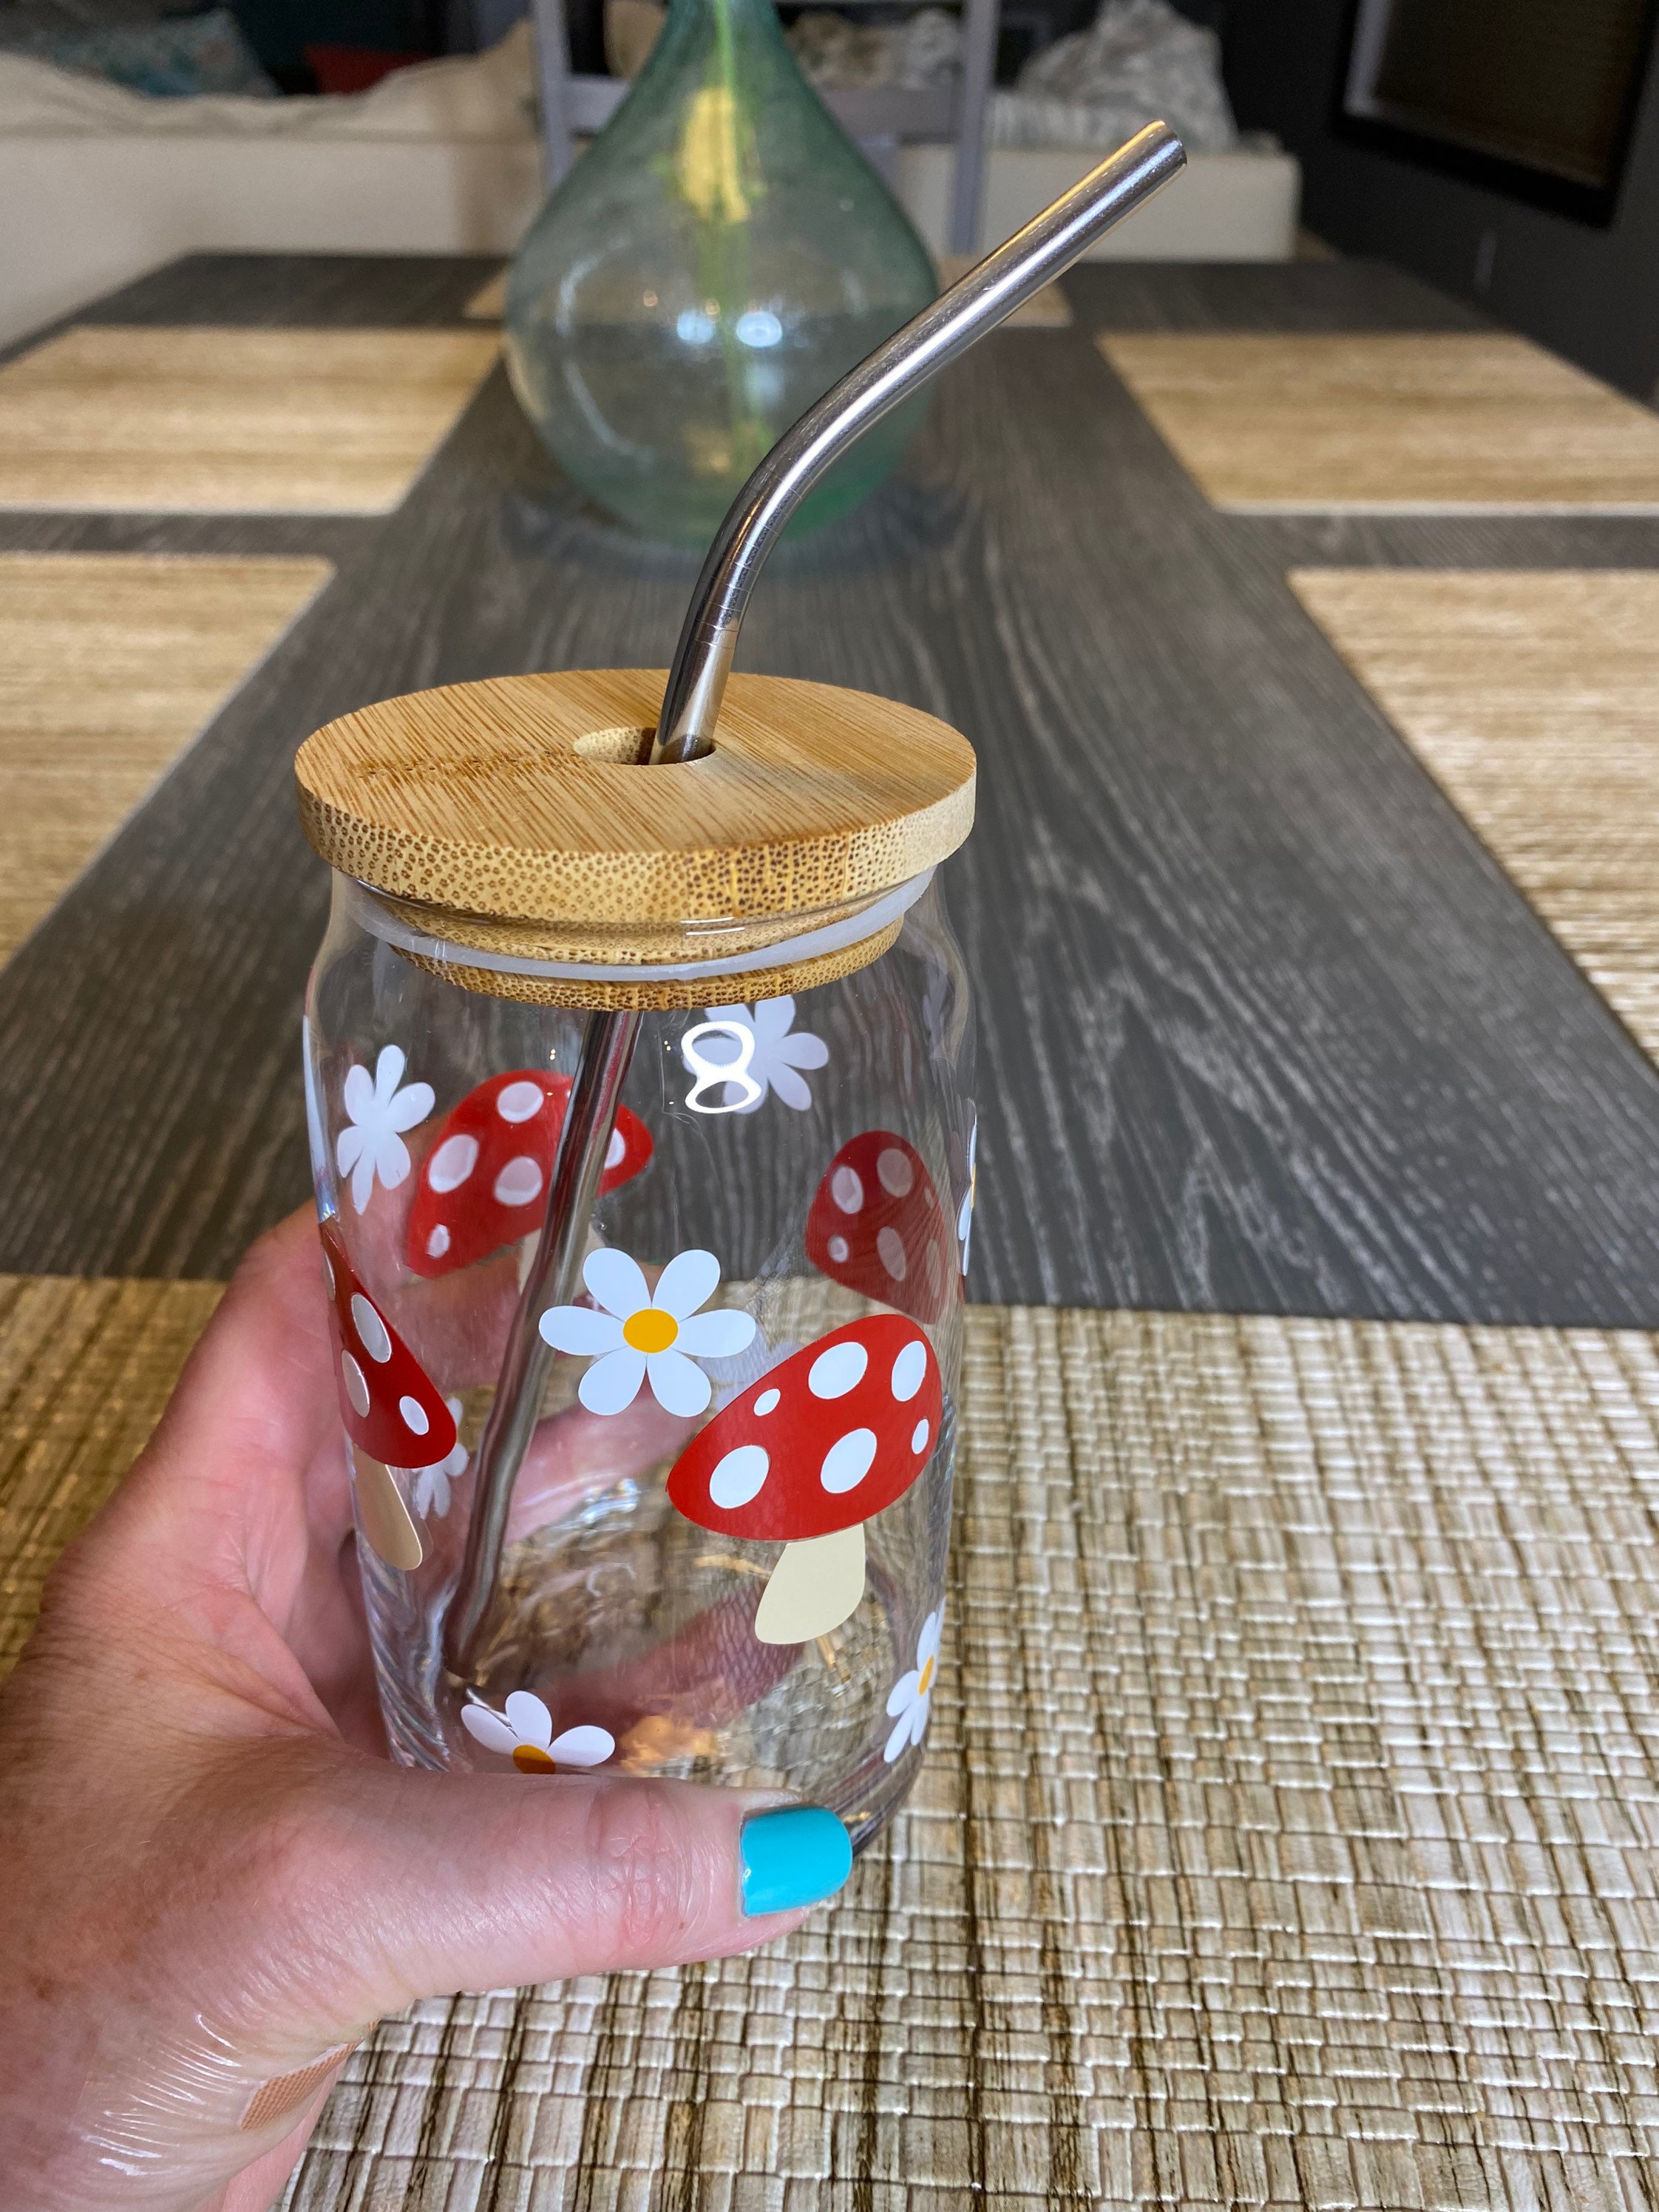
(430, 1495)
(378, 1113)
(778, 1052)
(912, 1693)
(524, 1733)
(643, 1335)
(965, 1217)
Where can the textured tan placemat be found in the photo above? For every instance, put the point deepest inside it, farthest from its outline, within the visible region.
(488, 303)
(197, 421)
(1287, 1835)
(1437, 423)
(109, 666)
(85, 1370)
(1286, 1838)
(1533, 698)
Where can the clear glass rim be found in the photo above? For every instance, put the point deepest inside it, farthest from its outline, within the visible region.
(370, 912)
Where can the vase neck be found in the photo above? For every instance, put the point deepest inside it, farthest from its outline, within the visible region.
(750, 18)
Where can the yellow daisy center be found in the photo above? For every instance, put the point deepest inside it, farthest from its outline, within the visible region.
(927, 1681)
(650, 1329)
(531, 1759)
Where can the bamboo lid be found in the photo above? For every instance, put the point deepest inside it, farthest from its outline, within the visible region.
(517, 800)
(511, 819)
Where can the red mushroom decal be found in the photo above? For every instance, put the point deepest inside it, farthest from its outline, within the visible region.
(817, 1446)
(483, 1184)
(877, 1225)
(390, 1406)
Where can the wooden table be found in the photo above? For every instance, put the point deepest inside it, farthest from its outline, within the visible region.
(1262, 1029)
(1265, 1031)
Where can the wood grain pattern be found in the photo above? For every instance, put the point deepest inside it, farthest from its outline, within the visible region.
(1374, 421)
(327, 421)
(1533, 700)
(1263, 1026)
(1286, 1838)
(109, 666)
(781, 980)
(522, 800)
(85, 1370)
(1347, 295)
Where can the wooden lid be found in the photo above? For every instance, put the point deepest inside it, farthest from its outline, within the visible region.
(518, 799)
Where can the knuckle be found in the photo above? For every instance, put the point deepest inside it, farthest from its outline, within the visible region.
(286, 1851)
(638, 1868)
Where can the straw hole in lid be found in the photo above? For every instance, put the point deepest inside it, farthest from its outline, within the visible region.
(621, 748)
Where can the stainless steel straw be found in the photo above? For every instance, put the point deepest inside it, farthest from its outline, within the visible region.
(702, 660)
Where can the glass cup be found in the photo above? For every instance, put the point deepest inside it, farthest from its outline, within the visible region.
(725, 1550)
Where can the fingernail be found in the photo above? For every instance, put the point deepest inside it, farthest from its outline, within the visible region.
(792, 1857)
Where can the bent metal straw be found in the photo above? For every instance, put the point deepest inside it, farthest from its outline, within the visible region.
(691, 708)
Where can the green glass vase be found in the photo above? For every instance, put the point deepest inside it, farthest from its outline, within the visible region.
(716, 259)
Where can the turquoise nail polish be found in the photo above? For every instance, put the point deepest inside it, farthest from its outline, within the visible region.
(791, 1857)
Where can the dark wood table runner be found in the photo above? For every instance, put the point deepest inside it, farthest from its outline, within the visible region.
(1263, 1026)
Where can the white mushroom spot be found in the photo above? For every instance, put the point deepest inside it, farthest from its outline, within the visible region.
(615, 1152)
(452, 1162)
(371, 1329)
(438, 1243)
(918, 1436)
(519, 1182)
(328, 1274)
(909, 1370)
(356, 1384)
(768, 1401)
(415, 1415)
(847, 1190)
(738, 1476)
(848, 1461)
(838, 1370)
(839, 1250)
(520, 1102)
(894, 1173)
(889, 1247)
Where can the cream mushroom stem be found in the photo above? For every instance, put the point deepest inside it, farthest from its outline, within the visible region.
(816, 1585)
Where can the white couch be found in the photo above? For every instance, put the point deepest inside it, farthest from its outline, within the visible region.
(99, 185)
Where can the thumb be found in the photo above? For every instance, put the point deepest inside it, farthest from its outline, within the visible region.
(413, 1884)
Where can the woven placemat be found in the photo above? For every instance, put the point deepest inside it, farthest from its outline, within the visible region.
(1437, 423)
(488, 303)
(85, 1370)
(1287, 1837)
(245, 420)
(1532, 697)
(109, 666)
